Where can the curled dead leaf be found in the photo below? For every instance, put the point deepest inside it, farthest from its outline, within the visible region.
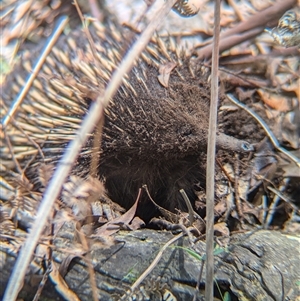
(164, 73)
(113, 226)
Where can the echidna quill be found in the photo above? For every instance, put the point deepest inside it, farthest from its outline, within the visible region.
(152, 134)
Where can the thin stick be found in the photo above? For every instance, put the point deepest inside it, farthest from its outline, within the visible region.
(95, 156)
(152, 265)
(261, 18)
(254, 25)
(236, 187)
(274, 204)
(197, 288)
(88, 34)
(71, 153)
(189, 206)
(272, 137)
(17, 165)
(211, 149)
(49, 44)
(228, 42)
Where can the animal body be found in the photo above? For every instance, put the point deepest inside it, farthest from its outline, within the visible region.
(153, 134)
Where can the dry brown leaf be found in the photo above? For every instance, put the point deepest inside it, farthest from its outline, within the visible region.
(272, 70)
(291, 170)
(264, 164)
(113, 226)
(137, 223)
(294, 87)
(164, 73)
(65, 264)
(249, 211)
(275, 101)
(221, 231)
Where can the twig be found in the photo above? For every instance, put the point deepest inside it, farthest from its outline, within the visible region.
(228, 42)
(236, 188)
(198, 281)
(228, 176)
(88, 34)
(189, 206)
(284, 198)
(232, 3)
(60, 285)
(248, 28)
(17, 165)
(266, 129)
(43, 282)
(274, 204)
(211, 155)
(49, 44)
(152, 265)
(170, 216)
(95, 157)
(71, 153)
(274, 12)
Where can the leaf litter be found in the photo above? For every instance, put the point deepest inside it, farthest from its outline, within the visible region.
(265, 76)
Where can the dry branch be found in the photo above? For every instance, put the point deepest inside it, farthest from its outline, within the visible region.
(248, 28)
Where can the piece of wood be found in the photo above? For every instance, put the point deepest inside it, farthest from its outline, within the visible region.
(258, 266)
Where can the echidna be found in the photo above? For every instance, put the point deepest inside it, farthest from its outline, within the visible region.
(153, 134)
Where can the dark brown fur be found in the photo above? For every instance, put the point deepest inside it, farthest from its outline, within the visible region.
(152, 135)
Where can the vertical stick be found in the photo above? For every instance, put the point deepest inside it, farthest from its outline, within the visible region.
(211, 149)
